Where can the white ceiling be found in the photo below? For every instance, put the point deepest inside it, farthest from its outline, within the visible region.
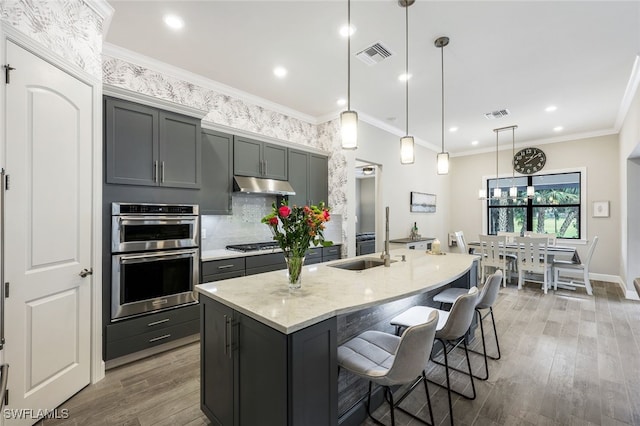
(518, 55)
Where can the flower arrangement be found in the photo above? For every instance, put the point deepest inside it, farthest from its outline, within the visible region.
(296, 228)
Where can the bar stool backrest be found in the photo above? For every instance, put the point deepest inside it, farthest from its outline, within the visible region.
(489, 292)
(460, 316)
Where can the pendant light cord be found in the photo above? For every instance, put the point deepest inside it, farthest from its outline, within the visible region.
(442, 73)
(406, 67)
(497, 132)
(348, 55)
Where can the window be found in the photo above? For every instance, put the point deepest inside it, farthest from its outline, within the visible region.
(553, 209)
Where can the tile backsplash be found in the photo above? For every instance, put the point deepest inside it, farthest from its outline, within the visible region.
(244, 226)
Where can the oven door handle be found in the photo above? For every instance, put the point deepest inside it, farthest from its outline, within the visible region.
(136, 258)
(156, 219)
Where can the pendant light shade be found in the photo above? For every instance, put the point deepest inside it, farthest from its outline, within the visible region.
(482, 194)
(349, 129)
(443, 157)
(348, 118)
(531, 191)
(407, 144)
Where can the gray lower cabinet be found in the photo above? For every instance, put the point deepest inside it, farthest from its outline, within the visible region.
(308, 175)
(259, 159)
(313, 255)
(150, 147)
(217, 175)
(252, 374)
(265, 263)
(331, 253)
(144, 332)
(365, 247)
(216, 270)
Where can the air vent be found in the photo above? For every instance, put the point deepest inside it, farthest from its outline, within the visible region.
(496, 114)
(374, 54)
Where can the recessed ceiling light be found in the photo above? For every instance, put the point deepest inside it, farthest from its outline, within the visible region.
(453, 129)
(341, 102)
(280, 72)
(404, 77)
(174, 22)
(345, 31)
(551, 108)
(558, 129)
(475, 142)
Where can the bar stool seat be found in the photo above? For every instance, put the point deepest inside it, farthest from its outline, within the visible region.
(389, 360)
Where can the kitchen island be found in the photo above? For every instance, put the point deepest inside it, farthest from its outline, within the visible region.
(269, 355)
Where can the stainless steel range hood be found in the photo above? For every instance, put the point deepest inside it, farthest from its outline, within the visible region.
(253, 185)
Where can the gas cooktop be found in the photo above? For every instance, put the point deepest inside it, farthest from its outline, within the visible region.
(269, 245)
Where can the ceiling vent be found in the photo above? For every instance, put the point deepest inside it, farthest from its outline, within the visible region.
(373, 54)
(497, 114)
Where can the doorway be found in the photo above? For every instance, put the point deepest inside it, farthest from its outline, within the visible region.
(366, 220)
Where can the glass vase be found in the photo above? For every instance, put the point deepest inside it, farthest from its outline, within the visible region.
(294, 268)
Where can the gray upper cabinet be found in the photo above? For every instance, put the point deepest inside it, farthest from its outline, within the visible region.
(217, 177)
(148, 146)
(308, 175)
(259, 159)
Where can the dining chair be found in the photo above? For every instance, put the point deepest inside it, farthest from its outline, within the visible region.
(532, 258)
(486, 299)
(389, 360)
(451, 330)
(570, 267)
(510, 236)
(513, 259)
(462, 244)
(552, 238)
(492, 255)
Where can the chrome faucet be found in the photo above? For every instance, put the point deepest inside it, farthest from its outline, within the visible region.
(385, 254)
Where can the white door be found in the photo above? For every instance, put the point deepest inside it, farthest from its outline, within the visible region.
(47, 233)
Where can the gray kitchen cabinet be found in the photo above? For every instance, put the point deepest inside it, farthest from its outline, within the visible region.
(251, 374)
(216, 270)
(259, 159)
(265, 263)
(150, 147)
(308, 175)
(217, 176)
(331, 253)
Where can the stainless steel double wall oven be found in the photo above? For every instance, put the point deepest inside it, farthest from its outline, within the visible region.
(154, 257)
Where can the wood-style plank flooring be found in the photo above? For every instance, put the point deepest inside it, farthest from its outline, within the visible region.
(567, 359)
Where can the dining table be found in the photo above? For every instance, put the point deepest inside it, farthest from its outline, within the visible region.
(552, 250)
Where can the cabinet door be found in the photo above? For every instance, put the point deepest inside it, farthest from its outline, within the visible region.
(318, 179)
(179, 151)
(218, 393)
(217, 177)
(298, 173)
(131, 139)
(247, 158)
(275, 161)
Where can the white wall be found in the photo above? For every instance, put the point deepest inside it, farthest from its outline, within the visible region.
(600, 158)
(397, 181)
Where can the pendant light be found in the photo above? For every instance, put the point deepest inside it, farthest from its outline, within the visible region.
(443, 157)
(497, 192)
(513, 191)
(407, 144)
(348, 118)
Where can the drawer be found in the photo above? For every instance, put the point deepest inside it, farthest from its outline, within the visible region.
(222, 276)
(313, 254)
(331, 251)
(328, 258)
(160, 320)
(261, 260)
(222, 266)
(129, 345)
(266, 268)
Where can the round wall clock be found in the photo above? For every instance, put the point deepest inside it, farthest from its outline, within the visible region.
(529, 160)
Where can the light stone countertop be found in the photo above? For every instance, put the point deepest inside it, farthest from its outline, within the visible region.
(327, 292)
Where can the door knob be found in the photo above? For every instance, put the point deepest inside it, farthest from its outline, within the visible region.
(86, 272)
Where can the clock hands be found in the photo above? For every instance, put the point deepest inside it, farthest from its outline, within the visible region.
(531, 159)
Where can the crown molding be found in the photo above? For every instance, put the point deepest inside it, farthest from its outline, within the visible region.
(181, 74)
(629, 94)
(394, 130)
(130, 95)
(104, 10)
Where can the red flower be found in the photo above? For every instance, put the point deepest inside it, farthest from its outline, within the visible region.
(273, 221)
(284, 211)
(326, 214)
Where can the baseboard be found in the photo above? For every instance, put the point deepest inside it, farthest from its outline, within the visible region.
(126, 359)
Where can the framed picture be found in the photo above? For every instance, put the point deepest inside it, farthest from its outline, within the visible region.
(423, 203)
(600, 209)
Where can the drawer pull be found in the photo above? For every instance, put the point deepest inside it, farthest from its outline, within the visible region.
(225, 266)
(162, 321)
(155, 339)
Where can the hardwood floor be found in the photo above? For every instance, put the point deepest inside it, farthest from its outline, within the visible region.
(567, 359)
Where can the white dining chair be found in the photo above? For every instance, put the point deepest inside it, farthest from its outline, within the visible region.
(492, 256)
(551, 238)
(510, 236)
(460, 241)
(533, 259)
(570, 267)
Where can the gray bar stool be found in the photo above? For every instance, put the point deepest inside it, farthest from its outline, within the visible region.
(389, 360)
(486, 299)
(450, 333)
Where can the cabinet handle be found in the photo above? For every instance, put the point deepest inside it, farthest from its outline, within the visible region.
(162, 321)
(162, 169)
(155, 171)
(260, 167)
(265, 167)
(155, 339)
(225, 266)
(227, 321)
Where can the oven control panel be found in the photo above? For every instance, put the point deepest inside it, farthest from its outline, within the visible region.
(147, 209)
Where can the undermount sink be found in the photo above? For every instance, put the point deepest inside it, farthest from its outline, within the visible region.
(360, 264)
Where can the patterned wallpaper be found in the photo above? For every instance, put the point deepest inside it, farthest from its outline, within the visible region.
(67, 27)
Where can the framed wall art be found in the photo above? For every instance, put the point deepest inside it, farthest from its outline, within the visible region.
(600, 209)
(422, 203)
